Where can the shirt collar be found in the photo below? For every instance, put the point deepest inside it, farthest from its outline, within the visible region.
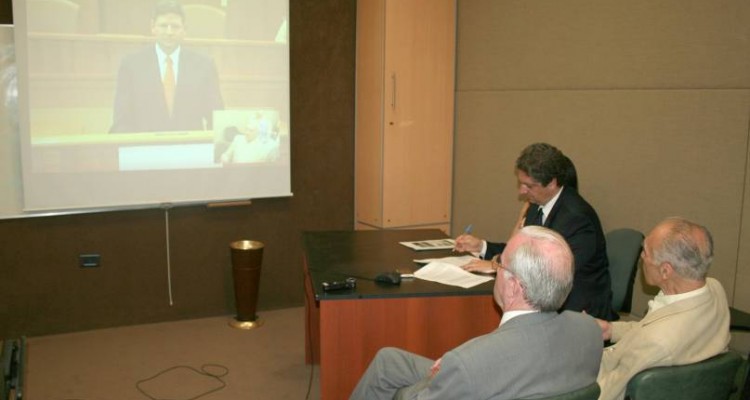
(507, 316)
(175, 56)
(547, 208)
(662, 300)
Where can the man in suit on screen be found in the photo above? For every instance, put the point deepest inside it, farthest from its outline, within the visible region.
(166, 87)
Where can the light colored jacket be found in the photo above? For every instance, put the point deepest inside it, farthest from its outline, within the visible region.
(683, 332)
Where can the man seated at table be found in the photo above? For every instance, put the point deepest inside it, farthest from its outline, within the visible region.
(547, 180)
(535, 352)
(687, 321)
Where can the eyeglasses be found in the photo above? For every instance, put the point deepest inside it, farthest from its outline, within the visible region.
(497, 266)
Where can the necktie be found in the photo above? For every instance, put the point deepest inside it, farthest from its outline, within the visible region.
(169, 83)
(537, 220)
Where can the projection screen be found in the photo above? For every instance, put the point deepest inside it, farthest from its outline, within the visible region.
(106, 120)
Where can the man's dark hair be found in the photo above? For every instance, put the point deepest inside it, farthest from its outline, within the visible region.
(168, 7)
(544, 162)
(571, 176)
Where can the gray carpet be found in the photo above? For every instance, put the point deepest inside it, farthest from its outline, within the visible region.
(195, 359)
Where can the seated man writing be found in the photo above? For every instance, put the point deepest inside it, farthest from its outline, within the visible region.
(548, 181)
(535, 352)
(687, 321)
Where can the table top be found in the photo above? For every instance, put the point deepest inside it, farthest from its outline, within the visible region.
(337, 255)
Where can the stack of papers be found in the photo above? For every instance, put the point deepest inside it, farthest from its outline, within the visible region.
(436, 244)
(448, 271)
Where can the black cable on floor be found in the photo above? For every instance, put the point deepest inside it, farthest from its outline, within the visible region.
(203, 371)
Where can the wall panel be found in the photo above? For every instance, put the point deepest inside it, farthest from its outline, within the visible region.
(742, 278)
(651, 100)
(641, 156)
(552, 44)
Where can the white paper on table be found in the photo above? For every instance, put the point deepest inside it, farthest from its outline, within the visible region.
(449, 274)
(458, 261)
(433, 244)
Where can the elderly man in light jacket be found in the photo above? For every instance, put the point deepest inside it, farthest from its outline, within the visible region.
(687, 321)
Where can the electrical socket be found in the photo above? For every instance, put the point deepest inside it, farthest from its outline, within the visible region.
(89, 260)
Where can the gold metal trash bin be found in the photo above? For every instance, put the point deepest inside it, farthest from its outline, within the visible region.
(247, 257)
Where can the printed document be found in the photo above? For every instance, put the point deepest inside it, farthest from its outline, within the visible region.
(450, 273)
(435, 244)
(458, 261)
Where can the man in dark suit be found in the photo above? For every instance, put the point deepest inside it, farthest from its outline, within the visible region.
(514, 361)
(166, 87)
(543, 172)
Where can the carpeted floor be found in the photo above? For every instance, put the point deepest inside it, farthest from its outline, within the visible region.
(195, 359)
(173, 360)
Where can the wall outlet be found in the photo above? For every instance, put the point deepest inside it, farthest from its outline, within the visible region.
(89, 260)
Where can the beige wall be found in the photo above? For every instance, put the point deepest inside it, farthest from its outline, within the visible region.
(651, 101)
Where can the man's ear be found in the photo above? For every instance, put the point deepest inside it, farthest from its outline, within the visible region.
(515, 285)
(553, 181)
(666, 270)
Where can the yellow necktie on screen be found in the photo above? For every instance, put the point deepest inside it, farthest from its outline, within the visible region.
(169, 84)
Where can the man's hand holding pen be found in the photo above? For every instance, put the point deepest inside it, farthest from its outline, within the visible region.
(467, 242)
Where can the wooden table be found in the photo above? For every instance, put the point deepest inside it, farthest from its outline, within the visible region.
(344, 329)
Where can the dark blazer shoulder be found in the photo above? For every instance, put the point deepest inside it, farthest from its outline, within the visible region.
(572, 211)
(572, 201)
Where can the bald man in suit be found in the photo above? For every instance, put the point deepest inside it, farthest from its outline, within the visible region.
(514, 361)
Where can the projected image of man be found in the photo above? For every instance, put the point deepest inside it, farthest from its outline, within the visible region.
(166, 87)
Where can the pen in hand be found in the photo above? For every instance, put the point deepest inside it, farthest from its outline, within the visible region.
(467, 231)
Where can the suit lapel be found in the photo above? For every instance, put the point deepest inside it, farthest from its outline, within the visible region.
(558, 204)
(153, 81)
(531, 214)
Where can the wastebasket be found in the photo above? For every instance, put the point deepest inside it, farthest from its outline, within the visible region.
(247, 257)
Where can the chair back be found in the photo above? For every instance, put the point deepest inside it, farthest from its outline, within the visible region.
(711, 379)
(623, 250)
(590, 392)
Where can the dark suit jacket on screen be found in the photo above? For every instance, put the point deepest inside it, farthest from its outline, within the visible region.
(139, 101)
(577, 222)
